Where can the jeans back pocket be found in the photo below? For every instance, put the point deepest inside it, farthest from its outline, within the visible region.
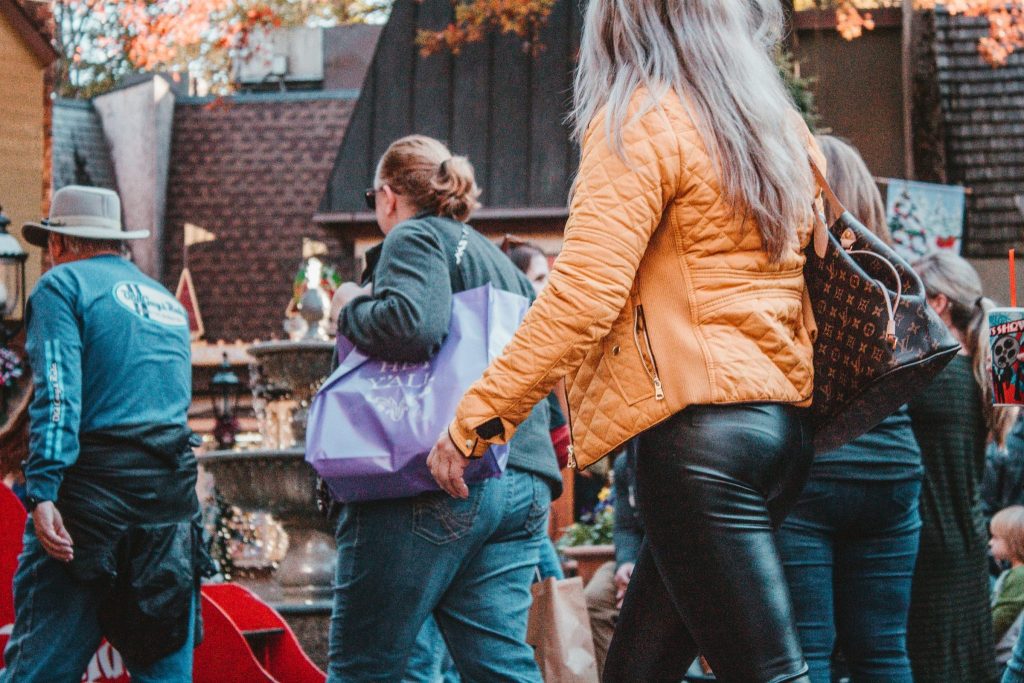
(441, 519)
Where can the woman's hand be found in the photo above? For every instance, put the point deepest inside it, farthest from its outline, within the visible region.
(447, 464)
(622, 576)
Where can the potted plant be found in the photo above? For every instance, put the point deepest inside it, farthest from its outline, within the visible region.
(588, 542)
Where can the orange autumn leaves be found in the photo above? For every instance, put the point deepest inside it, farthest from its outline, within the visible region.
(106, 39)
(851, 23)
(525, 18)
(1005, 22)
(102, 41)
(159, 32)
(475, 18)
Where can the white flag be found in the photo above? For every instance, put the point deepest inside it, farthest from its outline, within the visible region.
(197, 235)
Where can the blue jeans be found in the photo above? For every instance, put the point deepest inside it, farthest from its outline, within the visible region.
(429, 661)
(468, 562)
(849, 549)
(57, 629)
(550, 566)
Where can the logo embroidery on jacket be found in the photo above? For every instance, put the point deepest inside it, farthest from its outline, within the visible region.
(150, 303)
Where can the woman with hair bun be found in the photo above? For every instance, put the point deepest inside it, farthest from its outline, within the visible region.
(468, 562)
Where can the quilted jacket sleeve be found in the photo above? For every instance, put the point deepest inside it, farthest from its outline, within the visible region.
(617, 204)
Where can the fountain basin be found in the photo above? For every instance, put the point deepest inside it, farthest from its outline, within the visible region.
(279, 482)
(298, 365)
(276, 480)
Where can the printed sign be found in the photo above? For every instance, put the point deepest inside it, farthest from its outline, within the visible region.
(1006, 329)
(106, 666)
(924, 217)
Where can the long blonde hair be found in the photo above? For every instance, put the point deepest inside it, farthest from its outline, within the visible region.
(422, 169)
(716, 56)
(943, 272)
(854, 185)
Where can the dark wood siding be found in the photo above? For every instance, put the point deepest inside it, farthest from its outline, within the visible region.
(493, 102)
(857, 85)
(983, 115)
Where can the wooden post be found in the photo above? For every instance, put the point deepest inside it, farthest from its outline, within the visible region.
(908, 88)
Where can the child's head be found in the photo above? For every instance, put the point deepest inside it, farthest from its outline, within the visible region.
(1007, 542)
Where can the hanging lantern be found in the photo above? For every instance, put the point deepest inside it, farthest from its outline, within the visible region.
(227, 389)
(12, 282)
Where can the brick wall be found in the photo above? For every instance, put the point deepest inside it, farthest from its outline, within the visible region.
(252, 170)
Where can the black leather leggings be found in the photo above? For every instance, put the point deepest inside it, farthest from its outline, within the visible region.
(712, 484)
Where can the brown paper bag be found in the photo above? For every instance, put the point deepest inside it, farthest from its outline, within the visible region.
(559, 631)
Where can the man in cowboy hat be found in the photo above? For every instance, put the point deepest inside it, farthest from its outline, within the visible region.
(113, 547)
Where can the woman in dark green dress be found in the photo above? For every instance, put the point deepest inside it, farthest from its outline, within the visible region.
(950, 628)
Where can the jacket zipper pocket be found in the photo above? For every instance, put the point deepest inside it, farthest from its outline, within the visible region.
(640, 323)
(568, 418)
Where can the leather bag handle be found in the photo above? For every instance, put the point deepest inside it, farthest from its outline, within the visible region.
(821, 246)
(831, 200)
(833, 210)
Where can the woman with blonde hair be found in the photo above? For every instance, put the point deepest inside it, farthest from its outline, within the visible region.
(949, 635)
(850, 543)
(467, 563)
(847, 170)
(676, 313)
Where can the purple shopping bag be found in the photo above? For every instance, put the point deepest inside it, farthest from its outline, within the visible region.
(373, 422)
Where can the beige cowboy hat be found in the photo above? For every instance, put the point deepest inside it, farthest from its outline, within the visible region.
(91, 213)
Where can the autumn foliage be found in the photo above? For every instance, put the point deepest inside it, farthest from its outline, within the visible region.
(475, 18)
(1005, 20)
(101, 41)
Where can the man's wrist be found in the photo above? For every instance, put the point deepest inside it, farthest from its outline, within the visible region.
(32, 502)
(41, 484)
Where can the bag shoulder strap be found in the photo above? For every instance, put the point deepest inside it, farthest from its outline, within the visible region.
(833, 210)
(831, 200)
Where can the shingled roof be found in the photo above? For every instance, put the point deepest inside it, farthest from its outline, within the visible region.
(250, 169)
(983, 112)
(492, 102)
(81, 155)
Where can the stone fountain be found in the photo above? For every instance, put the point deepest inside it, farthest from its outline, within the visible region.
(275, 480)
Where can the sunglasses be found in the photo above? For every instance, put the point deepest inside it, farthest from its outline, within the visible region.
(370, 195)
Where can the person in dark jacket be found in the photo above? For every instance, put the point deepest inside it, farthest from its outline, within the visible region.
(113, 547)
(467, 562)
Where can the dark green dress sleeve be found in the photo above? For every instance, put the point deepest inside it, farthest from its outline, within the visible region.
(407, 316)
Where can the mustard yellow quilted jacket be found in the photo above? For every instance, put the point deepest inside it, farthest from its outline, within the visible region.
(662, 297)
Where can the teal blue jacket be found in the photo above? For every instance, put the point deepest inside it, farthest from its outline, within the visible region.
(109, 349)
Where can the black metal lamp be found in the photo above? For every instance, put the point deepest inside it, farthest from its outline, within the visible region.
(12, 282)
(228, 389)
